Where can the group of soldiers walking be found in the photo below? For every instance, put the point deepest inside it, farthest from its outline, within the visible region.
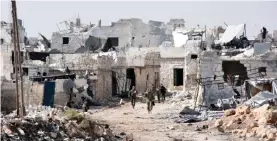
(149, 95)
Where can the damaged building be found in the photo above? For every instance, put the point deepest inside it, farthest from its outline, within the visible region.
(201, 61)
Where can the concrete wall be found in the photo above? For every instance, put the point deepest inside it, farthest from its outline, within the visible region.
(190, 73)
(166, 71)
(33, 93)
(6, 65)
(211, 65)
(142, 83)
(103, 85)
(148, 34)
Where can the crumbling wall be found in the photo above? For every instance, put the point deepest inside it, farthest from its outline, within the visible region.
(190, 72)
(103, 84)
(75, 41)
(167, 66)
(271, 66)
(145, 77)
(148, 34)
(33, 93)
(211, 64)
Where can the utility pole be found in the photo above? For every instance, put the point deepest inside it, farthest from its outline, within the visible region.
(15, 55)
(19, 58)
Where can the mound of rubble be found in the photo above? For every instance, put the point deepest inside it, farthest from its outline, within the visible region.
(245, 122)
(49, 124)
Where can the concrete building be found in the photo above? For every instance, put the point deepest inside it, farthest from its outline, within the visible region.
(123, 33)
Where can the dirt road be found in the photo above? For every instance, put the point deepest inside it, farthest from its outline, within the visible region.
(158, 126)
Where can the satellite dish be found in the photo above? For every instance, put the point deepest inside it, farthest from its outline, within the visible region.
(93, 43)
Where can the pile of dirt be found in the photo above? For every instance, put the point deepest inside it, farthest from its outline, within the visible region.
(245, 122)
(56, 125)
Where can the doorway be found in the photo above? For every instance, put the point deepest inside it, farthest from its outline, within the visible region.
(114, 84)
(130, 74)
(178, 77)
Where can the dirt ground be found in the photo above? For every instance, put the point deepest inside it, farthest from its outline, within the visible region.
(159, 125)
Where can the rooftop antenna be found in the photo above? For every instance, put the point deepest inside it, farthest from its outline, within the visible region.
(226, 24)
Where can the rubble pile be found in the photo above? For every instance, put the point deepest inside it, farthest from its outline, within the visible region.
(49, 124)
(245, 122)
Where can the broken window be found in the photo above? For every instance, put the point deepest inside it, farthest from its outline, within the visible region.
(38, 56)
(25, 71)
(65, 40)
(193, 56)
(178, 77)
(232, 68)
(111, 43)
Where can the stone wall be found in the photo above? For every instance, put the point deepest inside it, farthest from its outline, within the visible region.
(166, 71)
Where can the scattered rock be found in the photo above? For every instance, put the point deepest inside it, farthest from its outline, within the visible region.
(229, 112)
(20, 131)
(53, 135)
(129, 137)
(218, 123)
(197, 129)
(243, 110)
(188, 111)
(220, 129)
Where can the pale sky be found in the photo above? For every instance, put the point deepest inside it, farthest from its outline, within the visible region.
(42, 16)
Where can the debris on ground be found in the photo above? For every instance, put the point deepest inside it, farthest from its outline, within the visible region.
(246, 122)
(261, 98)
(45, 123)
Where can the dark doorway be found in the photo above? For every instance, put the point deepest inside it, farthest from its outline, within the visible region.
(178, 77)
(232, 68)
(111, 43)
(114, 84)
(130, 74)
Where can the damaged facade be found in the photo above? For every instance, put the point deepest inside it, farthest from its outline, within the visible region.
(132, 53)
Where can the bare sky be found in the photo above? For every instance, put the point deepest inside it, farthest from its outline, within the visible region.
(42, 16)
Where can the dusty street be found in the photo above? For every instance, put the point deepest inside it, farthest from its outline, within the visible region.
(158, 126)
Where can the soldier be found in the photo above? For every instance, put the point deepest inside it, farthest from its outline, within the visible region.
(158, 95)
(88, 101)
(163, 92)
(150, 100)
(68, 88)
(133, 96)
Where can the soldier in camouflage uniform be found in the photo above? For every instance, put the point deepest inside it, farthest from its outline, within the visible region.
(133, 96)
(150, 97)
